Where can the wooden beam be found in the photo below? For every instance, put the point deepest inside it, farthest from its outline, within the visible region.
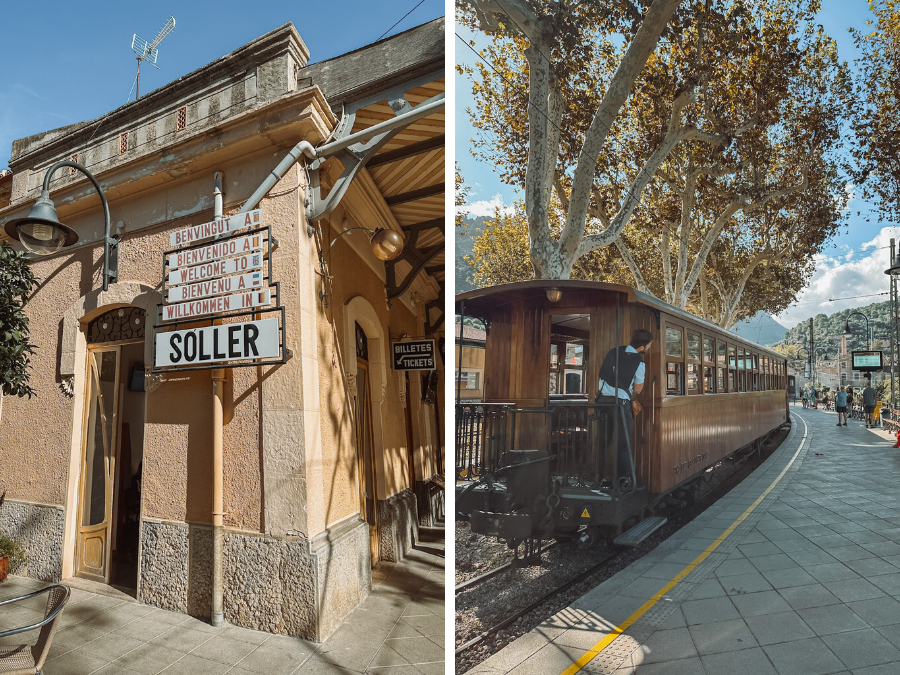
(409, 151)
(413, 195)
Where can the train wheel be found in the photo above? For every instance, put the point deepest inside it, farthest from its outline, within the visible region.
(588, 538)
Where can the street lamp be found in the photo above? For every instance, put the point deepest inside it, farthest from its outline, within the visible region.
(386, 245)
(42, 233)
(848, 333)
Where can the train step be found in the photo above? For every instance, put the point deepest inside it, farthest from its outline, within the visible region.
(641, 531)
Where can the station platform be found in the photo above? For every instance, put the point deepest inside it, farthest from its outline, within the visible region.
(796, 571)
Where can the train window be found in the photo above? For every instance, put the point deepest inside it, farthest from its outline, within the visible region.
(673, 342)
(721, 357)
(709, 380)
(720, 380)
(732, 368)
(693, 346)
(674, 379)
(708, 351)
(569, 339)
(693, 378)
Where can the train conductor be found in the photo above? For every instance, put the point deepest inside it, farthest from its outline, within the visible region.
(622, 375)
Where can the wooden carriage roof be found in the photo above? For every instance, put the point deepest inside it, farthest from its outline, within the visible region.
(481, 301)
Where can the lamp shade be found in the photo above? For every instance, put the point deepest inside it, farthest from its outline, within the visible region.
(847, 332)
(387, 244)
(554, 294)
(40, 231)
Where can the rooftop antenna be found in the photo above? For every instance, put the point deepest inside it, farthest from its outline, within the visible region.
(147, 51)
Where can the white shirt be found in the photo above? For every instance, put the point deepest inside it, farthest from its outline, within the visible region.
(607, 390)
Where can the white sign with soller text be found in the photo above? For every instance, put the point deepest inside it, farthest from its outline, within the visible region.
(215, 344)
(215, 228)
(217, 251)
(218, 286)
(219, 268)
(222, 303)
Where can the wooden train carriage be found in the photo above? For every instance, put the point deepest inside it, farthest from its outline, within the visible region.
(707, 392)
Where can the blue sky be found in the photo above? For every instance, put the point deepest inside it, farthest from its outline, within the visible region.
(67, 62)
(853, 265)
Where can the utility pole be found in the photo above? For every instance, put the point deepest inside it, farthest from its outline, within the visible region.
(812, 351)
(893, 332)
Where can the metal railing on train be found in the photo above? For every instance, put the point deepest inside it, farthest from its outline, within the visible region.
(577, 435)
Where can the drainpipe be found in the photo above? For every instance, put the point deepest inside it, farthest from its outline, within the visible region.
(218, 512)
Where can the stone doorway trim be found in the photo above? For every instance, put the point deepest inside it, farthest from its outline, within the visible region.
(73, 355)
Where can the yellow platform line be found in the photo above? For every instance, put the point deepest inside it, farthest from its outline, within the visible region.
(643, 609)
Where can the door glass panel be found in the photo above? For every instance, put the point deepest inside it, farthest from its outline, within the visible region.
(364, 439)
(98, 444)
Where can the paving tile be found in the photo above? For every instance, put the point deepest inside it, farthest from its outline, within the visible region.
(803, 657)
(144, 628)
(831, 572)
(854, 552)
(740, 662)
(849, 590)
(149, 659)
(831, 619)
(548, 659)
(111, 646)
(798, 544)
(722, 636)
(224, 650)
(668, 645)
(755, 604)
(774, 628)
(862, 648)
(182, 639)
(254, 637)
(752, 582)
(811, 557)
(883, 669)
(788, 577)
(870, 567)
(193, 665)
(778, 561)
(814, 595)
(691, 666)
(877, 611)
(74, 663)
(756, 550)
(710, 588)
(418, 650)
(735, 567)
(709, 610)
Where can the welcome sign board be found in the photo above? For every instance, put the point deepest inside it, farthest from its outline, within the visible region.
(219, 286)
(225, 303)
(219, 268)
(216, 344)
(215, 228)
(217, 251)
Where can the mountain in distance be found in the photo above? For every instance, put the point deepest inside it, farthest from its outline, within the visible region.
(465, 242)
(828, 328)
(761, 329)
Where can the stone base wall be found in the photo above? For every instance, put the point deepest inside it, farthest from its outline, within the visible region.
(398, 525)
(39, 530)
(430, 503)
(288, 585)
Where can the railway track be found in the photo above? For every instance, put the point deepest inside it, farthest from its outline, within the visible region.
(537, 603)
(741, 465)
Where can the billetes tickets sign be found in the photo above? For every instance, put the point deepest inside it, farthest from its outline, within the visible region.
(219, 286)
(215, 228)
(413, 355)
(216, 344)
(219, 268)
(221, 249)
(224, 303)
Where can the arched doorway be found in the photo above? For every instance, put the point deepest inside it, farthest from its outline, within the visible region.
(109, 500)
(365, 441)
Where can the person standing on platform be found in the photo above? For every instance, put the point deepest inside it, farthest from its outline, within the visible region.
(624, 380)
(868, 400)
(840, 405)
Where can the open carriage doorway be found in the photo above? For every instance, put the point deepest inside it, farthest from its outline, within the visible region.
(112, 450)
(569, 355)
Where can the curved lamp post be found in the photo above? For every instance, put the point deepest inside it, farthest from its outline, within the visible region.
(847, 331)
(386, 245)
(42, 233)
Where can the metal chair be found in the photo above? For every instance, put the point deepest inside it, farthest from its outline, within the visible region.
(29, 659)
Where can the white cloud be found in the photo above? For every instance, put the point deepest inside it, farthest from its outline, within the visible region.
(841, 277)
(488, 207)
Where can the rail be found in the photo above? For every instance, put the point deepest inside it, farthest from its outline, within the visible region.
(579, 437)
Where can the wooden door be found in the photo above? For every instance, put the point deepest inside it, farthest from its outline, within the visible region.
(98, 460)
(366, 455)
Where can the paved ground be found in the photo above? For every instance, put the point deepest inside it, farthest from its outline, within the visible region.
(397, 630)
(806, 584)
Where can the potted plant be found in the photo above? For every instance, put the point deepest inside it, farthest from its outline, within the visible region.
(11, 553)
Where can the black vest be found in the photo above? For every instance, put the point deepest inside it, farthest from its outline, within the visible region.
(628, 365)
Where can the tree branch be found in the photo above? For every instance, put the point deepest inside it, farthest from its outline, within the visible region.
(639, 280)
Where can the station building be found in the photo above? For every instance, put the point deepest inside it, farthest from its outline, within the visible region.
(330, 459)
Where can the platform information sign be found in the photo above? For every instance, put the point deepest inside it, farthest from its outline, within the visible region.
(869, 360)
(216, 344)
(413, 355)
